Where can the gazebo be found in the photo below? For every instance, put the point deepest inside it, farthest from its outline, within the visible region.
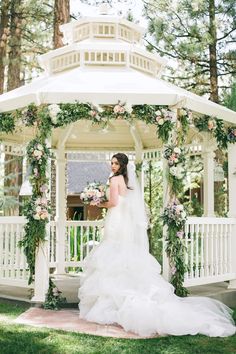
(104, 64)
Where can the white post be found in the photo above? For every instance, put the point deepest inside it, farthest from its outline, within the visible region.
(165, 260)
(232, 206)
(41, 280)
(60, 210)
(208, 179)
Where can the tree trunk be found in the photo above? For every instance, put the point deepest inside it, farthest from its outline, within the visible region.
(14, 67)
(4, 31)
(61, 16)
(212, 52)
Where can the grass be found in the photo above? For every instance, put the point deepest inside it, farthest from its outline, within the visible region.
(20, 339)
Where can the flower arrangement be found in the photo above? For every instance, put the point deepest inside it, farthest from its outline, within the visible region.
(231, 135)
(54, 299)
(205, 123)
(174, 217)
(175, 157)
(165, 120)
(175, 214)
(94, 193)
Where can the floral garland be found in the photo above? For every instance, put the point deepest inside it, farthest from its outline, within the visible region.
(175, 157)
(36, 209)
(174, 216)
(224, 135)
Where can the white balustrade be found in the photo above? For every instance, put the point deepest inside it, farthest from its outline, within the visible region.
(208, 250)
(208, 241)
(13, 267)
(80, 238)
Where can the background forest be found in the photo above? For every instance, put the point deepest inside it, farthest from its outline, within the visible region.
(197, 37)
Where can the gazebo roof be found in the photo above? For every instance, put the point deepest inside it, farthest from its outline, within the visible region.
(103, 62)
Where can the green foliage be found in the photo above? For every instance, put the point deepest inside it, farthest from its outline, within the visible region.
(7, 122)
(183, 31)
(54, 299)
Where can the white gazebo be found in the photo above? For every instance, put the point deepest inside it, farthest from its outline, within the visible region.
(104, 61)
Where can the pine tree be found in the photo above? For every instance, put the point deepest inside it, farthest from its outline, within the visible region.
(198, 34)
(14, 66)
(61, 16)
(4, 31)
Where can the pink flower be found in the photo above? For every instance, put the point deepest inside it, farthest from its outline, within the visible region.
(157, 118)
(43, 188)
(173, 270)
(180, 234)
(93, 113)
(119, 109)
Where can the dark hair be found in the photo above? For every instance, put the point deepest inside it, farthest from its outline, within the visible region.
(123, 161)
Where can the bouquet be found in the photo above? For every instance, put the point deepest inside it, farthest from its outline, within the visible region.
(94, 192)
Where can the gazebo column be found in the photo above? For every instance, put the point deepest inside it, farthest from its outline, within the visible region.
(41, 278)
(138, 154)
(166, 198)
(208, 179)
(232, 208)
(60, 217)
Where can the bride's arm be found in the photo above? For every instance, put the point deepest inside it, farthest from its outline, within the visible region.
(114, 192)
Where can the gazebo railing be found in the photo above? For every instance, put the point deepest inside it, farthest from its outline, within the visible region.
(209, 253)
(13, 267)
(80, 239)
(210, 244)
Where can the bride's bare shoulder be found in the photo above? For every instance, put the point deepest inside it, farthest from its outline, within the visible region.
(117, 179)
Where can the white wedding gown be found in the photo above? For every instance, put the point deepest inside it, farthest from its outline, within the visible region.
(121, 283)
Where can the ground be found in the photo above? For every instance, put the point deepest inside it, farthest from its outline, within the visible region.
(22, 339)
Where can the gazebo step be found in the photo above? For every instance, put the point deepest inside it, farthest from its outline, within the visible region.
(218, 291)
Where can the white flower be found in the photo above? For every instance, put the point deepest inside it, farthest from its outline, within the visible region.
(180, 172)
(36, 217)
(182, 112)
(54, 109)
(38, 209)
(173, 170)
(161, 121)
(158, 113)
(128, 107)
(179, 207)
(183, 213)
(39, 147)
(37, 153)
(177, 150)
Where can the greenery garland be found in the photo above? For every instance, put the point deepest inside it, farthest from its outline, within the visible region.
(46, 117)
(174, 216)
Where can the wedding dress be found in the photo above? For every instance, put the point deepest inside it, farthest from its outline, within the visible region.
(122, 284)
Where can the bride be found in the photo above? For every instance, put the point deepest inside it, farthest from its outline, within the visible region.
(121, 282)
